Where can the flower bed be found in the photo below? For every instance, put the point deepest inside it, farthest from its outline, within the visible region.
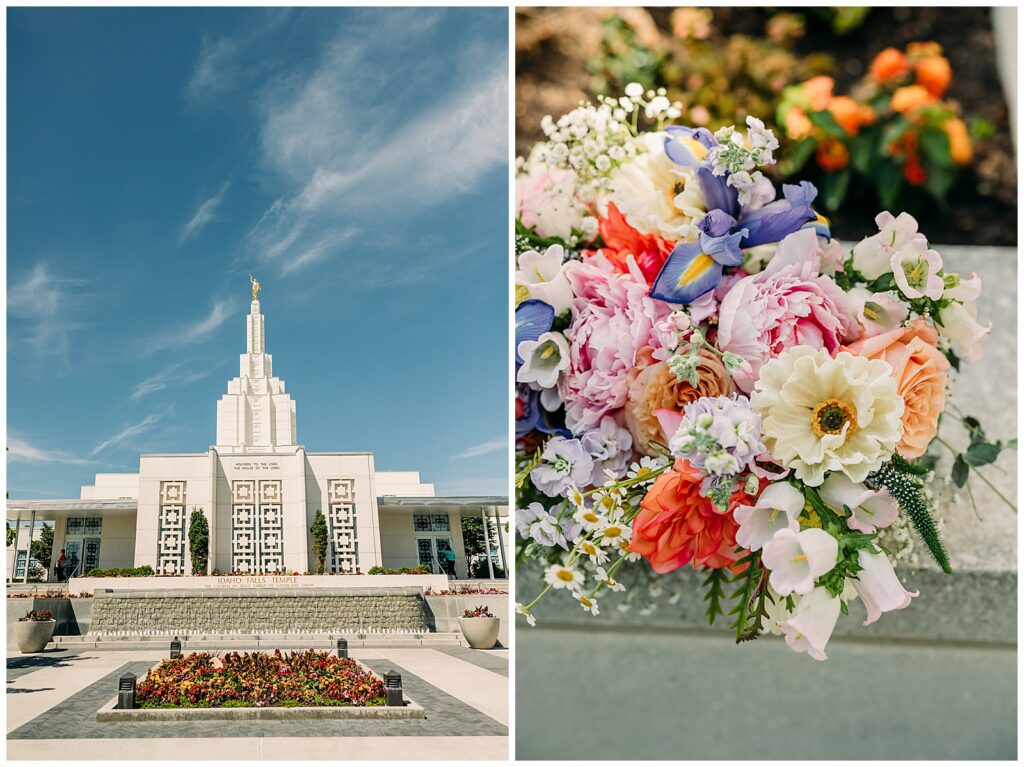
(307, 678)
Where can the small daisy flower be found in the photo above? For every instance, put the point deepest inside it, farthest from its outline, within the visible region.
(589, 605)
(576, 497)
(596, 553)
(562, 577)
(591, 519)
(644, 470)
(614, 532)
(521, 609)
(609, 583)
(625, 553)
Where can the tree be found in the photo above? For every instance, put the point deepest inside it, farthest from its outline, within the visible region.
(42, 548)
(10, 536)
(319, 531)
(473, 543)
(199, 541)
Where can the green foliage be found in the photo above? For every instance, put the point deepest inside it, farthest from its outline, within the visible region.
(905, 488)
(199, 541)
(10, 536)
(418, 570)
(714, 585)
(121, 572)
(319, 532)
(750, 584)
(42, 548)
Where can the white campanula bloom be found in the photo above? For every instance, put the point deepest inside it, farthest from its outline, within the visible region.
(777, 508)
(563, 577)
(565, 464)
(543, 359)
(872, 256)
(916, 268)
(811, 625)
(543, 277)
(871, 509)
(877, 585)
(960, 325)
(797, 559)
(876, 313)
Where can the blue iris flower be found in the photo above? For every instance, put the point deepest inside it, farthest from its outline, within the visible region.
(693, 268)
(533, 319)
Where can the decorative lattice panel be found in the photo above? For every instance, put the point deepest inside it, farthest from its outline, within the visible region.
(341, 523)
(257, 527)
(170, 546)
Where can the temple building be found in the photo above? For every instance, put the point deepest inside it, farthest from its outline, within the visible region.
(260, 490)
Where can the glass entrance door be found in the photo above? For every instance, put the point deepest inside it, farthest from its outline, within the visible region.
(82, 555)
(430, 550)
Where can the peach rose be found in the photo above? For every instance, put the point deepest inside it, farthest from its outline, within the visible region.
(910, 98)
(920, 372)
(656, 387)
(888, 66)
(818, 91)
(934, 73)
(850, 115)
(960, 149)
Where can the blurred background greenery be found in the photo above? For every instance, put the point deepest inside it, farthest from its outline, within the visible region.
(926, 131)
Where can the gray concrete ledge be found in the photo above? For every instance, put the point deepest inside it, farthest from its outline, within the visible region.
(110, 713)
(241, 593)
(973, 607)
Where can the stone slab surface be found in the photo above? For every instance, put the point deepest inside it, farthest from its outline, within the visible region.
(111, 713)
(641, 695)
(84, 682)
(269, 749)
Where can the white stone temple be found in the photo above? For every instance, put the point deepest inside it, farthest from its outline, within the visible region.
(259, 490)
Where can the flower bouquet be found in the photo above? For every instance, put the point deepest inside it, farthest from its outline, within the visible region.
(706, 378)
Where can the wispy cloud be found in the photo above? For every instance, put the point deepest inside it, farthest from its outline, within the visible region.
(190, 332)
(22, 450)
(129, 431)
(223, 65)
(205, 213)
(171, 376)
(491, 446)
(47, 307)
(419, 153)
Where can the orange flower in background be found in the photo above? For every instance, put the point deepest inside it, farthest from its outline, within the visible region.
(798, 124)
(677, 525)
(920, 370)
(935, 74)
(818, 91)
(621, 240)
(960, 148)
(910, 98)
(914, 172)
(889, 66)
(832, 155)
(850, 115)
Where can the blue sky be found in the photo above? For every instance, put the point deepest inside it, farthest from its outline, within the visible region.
(354, 160)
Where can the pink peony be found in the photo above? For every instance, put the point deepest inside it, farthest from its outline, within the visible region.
(789, 304)
(612, 322)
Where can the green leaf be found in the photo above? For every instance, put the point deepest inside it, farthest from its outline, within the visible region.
(888, 183)
(861, 147)
(798, 155)
(981, 453)
(1012, 444)
(960, 471)
(935, 146)
(827, 123)
(834, 189)
(894, 130)
(939, 180)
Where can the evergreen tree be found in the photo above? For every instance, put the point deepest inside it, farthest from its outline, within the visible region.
(199, 541)
(319, 531)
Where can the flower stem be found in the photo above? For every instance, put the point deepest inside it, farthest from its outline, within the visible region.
(981, 476)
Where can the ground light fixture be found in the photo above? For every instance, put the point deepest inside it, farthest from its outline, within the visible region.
(126, 691)
(393, 686)
(176, 648)
(342, 648)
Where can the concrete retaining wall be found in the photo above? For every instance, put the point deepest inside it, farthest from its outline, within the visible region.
(433, 582)
(72, 615)
(448, 609)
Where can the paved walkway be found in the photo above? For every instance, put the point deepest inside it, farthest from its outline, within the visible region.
(52, 698)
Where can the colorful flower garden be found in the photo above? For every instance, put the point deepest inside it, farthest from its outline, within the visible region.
(306, 678)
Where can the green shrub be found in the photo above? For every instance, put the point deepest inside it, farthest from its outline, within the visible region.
(319, 531)
(199, 541)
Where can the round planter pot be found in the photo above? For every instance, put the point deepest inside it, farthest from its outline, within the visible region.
(481, 633)
(33, 636)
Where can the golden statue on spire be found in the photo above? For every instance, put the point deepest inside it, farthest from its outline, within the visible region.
(255, 288)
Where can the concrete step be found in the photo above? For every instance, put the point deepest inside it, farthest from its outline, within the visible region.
(255, 641)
